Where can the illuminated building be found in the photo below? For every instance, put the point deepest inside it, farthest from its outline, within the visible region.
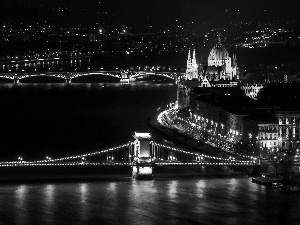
(192, 67)
(220, 64)
(251, 90)
(288, 129)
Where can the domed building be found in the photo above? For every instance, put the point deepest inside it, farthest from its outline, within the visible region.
(221, 71)
(220, 65)
(219, 57)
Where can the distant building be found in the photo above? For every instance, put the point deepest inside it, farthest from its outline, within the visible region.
(214, 112)
(292, 78)
(220, 64)
(222, 114)
(251, 90)
(261, 125)
(270, 123)
(289, 129)
(191, 67)
(220, 72)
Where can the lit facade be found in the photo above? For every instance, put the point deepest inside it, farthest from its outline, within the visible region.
(268, 135)
(252, 90)
(192, 67)
(219, 57)
(288, 129)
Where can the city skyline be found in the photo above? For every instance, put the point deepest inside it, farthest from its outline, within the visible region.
(198, 99)
(139, 13)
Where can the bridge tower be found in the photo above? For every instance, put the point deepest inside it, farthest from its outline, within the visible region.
(143, 165)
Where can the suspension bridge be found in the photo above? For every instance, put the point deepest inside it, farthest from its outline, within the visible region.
(142, 155)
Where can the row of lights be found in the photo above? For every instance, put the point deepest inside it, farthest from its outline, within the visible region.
(159, 119)
(202, 155)
(49, 159)
(65, 164)
(209, 163)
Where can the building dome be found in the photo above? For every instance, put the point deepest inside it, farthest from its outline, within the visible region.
(218, 53)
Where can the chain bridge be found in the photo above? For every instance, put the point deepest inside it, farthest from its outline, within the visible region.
(142, 155)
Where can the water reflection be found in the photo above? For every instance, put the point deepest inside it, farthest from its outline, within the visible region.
(49, 195)
(49, 203)
(111, 187)
(21, 206)
(43, 66)
(173, 189)
(180, 201)
(200, 188)
(84, 192)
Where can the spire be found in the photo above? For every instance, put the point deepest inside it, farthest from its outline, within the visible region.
(194, 62)
(189, 60)
(194, 55)
(219, 42)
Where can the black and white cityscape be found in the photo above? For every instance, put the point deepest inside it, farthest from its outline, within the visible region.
(149, 112)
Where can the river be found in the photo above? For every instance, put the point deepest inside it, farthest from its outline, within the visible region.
(39, 120)
(55, 120)
(161, 201)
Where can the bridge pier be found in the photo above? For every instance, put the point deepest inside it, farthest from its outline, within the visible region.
(16, 80)
(143, 166)
(68, 81)
(68, 78)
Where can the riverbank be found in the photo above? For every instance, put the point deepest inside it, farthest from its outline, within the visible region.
(183, 139)
(197, 145)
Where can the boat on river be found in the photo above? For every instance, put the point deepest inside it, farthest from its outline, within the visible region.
(268, 179)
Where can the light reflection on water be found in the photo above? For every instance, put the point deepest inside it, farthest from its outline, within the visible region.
(161, 201)
(49, 203)
(180, 201)
(46, 66)
(21, 204)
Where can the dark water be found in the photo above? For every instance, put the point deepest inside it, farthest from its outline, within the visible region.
(178, 201)
(59, 119)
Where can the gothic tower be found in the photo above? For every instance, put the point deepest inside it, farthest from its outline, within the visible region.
(191, 67)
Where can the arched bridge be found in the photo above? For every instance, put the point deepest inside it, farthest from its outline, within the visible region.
(142, 155)
(68, 76)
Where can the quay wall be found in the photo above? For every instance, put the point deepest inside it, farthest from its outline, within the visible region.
(199, 146)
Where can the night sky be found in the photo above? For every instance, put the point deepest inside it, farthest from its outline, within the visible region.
(141, 12)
